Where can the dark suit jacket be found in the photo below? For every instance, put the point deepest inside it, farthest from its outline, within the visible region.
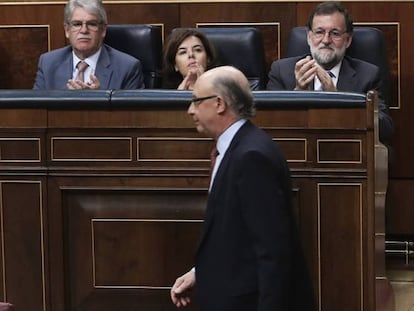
(355, 76)
(249, 256)
(114, 69)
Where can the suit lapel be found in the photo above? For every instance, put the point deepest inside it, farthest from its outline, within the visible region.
(346, 79)
(218, 180)
(64, 70)
(214, 193)
(103, 70)
(218, 183)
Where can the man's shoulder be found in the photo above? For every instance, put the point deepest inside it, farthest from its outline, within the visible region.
(252, 138)
(249, 129)
(55, 57)
(360, 65)
(289, 60)
(58, 52)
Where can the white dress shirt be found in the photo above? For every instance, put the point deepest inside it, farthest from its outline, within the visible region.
(223, 143)
(91, 61)
(335, 72)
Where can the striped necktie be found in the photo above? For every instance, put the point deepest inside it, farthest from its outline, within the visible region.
(330, 73)
(319, 88)
(81, 70)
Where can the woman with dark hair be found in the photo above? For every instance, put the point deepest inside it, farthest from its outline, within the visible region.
(187, 54)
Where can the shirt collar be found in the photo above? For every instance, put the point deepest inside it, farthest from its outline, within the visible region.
(223, 143)
(91, 60)
(335, 70)
(224, 140)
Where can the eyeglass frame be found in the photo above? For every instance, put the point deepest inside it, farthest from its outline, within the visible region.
(90, 25)
(198, 100)
(334, 34)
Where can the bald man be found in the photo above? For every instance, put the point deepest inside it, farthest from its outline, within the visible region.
(249, 256)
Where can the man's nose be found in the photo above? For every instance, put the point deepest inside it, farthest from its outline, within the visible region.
(84, 27)
(326, 37)
(190, 109)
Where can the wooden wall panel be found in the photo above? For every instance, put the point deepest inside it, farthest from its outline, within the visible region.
(97, 218)
(36, 14)
(345, 234)
(307, 220)
(22, 119)
(400, 211)
(23, 263)
(283, 15)
(26, 31)
(92, 148)
(20, 48)
(165, 15)
(119, 232)
(20, 150)
(102, 257)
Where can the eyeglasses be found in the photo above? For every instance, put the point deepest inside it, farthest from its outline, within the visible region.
(92, 25)
(199, 100)
(333, 34)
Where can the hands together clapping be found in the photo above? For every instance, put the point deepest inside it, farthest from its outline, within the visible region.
(80, 85)
(305, 71)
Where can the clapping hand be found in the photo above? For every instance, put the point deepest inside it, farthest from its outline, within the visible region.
(94, 84)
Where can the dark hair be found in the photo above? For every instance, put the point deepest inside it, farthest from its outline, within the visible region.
(239, 97)
(170, 77)
(328, 8)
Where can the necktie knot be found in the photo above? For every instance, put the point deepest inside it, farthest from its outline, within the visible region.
(81, 66)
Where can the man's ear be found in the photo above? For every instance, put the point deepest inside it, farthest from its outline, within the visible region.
(308, 37)
(349, 40)
(66, 28)
(221, 105)
(104, 27)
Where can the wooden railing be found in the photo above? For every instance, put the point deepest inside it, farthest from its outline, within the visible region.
(103, 193)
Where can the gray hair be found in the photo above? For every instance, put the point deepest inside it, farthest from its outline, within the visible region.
(91, 6)
(239, 97)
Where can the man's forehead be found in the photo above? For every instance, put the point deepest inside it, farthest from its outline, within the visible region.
(336, 18)
(200, 87)
(79, 11)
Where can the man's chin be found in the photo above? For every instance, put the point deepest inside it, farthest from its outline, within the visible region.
(84, 50)
(326, 59)
(199, 128)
